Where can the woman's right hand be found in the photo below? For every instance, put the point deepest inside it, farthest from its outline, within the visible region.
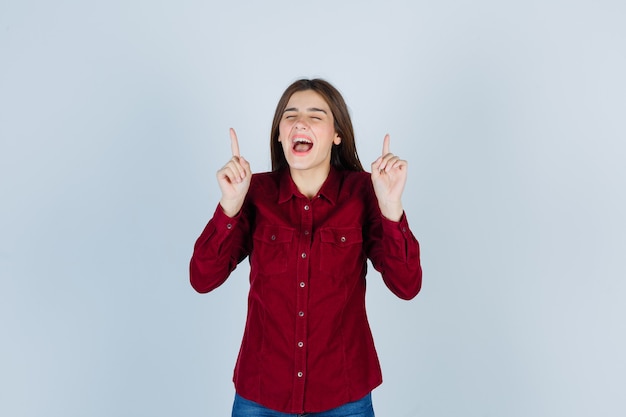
(234, 179)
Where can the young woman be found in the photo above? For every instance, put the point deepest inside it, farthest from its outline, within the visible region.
(308, 228)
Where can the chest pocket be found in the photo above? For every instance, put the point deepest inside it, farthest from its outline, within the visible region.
(270, 253)
(341, 249)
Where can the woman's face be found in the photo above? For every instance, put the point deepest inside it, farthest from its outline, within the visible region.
(307, 133)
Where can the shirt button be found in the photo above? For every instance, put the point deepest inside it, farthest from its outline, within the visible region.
(306, 207)
(300, 374)
(343, 239)
(302, 284)
(300, 344)
(306, 232)
(303, 255)
(273, 237)
(229, 226)
(301, 314)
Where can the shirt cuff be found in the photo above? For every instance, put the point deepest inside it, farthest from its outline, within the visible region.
(222, 222)
(396, 230)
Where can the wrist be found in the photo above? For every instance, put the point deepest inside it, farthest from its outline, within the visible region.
(230, 208)
(392, 211)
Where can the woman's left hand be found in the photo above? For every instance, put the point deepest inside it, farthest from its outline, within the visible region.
(389, 174)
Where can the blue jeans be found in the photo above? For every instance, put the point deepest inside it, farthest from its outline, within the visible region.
(360, 408)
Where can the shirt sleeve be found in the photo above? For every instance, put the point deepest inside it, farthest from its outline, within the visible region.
(221, 246)
(395, 253)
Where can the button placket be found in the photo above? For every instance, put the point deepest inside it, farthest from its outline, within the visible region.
(302, 296)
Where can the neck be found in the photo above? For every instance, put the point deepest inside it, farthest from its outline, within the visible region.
(309, 182)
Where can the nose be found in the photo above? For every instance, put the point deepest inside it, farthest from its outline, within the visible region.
(300, 124)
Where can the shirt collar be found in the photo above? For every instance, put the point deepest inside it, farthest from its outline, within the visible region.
(329, 190)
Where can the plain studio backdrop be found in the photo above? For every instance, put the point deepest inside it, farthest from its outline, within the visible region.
(114, 118)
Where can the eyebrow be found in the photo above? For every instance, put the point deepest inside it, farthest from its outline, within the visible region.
(311, 109)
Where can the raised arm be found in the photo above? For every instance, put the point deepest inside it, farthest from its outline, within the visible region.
(225, 241)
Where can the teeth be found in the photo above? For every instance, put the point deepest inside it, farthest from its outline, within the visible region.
(302, 140)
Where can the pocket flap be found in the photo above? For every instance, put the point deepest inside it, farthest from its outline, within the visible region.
(341, 236)
(274, 234)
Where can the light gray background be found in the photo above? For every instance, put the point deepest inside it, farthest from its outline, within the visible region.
(114, 117)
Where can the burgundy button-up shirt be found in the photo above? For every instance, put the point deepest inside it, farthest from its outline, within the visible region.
(307, 344)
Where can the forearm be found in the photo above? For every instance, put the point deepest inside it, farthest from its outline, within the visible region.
(397, 257)
(217, 251)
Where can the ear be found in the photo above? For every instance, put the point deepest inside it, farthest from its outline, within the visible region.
(337, 139)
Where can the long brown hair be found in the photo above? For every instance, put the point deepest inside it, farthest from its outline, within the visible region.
(343, 156)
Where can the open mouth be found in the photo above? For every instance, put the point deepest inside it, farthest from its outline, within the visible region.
(301, 144)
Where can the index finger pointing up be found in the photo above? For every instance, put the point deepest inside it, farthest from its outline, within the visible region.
(386, 144)
(234, 144)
